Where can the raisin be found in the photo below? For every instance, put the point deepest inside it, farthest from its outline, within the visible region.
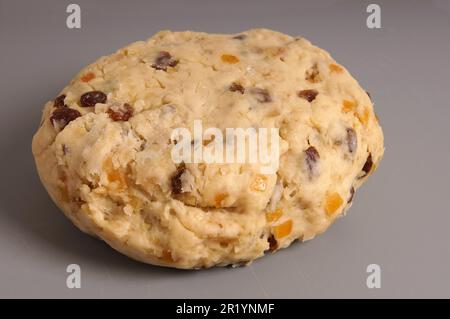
(91, 98)
(62, 116)
(352, 193)
(368, 164)
(313, 75)
(121, 114)
(177, 186)
(240, 37)
(311, 158)
(273, 244)
(236, 87)
(262, 95)
(308, 95)
(164, 60)
(368, 94)
(65, 149)
(59, 101)
(352, 140)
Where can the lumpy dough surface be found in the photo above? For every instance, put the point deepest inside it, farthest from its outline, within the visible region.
(103, 149)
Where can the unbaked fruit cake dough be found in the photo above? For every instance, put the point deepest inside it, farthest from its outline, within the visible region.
(103, 148)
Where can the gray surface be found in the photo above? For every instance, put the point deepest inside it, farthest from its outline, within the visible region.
(400, 218)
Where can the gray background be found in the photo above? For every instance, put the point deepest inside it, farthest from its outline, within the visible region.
(400, 218)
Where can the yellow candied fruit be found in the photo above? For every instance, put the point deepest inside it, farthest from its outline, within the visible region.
(167, 256)
(283, 229)
(259, 184)
(135, 203)
(335, 68)
(348, 106)
(87, 77)
(229, 58)
(363, 118)
(332, 203)
(114, 175)
(274, 216)
(218, 199)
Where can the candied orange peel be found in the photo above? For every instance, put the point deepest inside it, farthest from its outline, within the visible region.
(283, 229)
(259, 183)
(88, 77)
(274, 216)
(335, 68)
(348, 106)
(332, 203)
(229, 58)
(114, 175)
(219, 198)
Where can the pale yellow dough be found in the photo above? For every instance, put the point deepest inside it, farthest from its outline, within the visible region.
(114, 179)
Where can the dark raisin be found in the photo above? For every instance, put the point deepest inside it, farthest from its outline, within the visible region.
(308, 95)
(91, 98)
(236, 87)
(368, 164)
(352, 140)
(261, 95)
(65, 149)
(62, 116)
(313, 75)
(352, 193)
(368, 94)
(240, 37)
(311, 158)
(273, 244)
(59, 101)
(164, 60)
(122, 113)
(176, 183)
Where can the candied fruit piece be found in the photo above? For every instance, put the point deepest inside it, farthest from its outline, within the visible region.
(274, 216)
(135, 203)
(259, 183)
(332, 203)
(229, 58)
(218, 199)
(167, 256)
(114, 175)
(88, 77)
(348, 106)
(335, 68)
(283, 229)
(364, 117)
